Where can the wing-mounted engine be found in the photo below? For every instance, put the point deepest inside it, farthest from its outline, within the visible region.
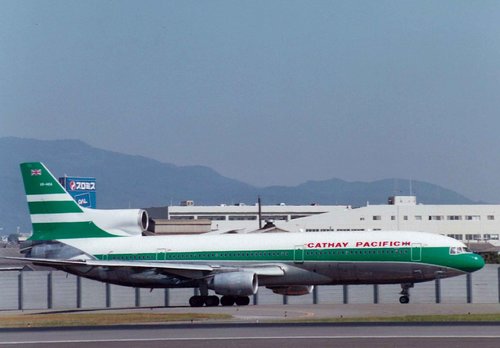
(292, 290)
(121, 222)
(235, 283)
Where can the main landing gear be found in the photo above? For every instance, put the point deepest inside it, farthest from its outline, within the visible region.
(213, 301)
(199, 301)
(405, 292)
(238, 300)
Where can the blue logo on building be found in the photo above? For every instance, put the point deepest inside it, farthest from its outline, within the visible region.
(83, 190)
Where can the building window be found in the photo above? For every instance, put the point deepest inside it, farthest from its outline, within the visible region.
(377, 217)
(418, 217)
(435, 217)
(242, 217)
(490, 236)
(212, 217)
(275, 217)
(454, 217)
(491, 217)
(180, 217)
(393, 218)
(472, 237)
(456, 236)
(405, 217)
(472, 217)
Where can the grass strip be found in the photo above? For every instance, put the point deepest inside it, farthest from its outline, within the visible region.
(97, 319)
(490, 317)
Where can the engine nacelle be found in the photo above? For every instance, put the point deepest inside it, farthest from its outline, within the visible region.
(122, 222)
(235, 283)
(292, 290)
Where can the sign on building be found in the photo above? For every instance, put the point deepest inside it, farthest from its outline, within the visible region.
(81, 189)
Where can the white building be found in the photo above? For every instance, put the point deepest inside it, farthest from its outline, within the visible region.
(245, 218)
(469, 223)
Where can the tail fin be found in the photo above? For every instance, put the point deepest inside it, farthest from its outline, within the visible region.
(55, 214)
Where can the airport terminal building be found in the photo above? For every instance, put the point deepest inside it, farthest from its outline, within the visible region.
(468, 223)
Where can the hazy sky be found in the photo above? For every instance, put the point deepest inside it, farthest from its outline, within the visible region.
(267, 92)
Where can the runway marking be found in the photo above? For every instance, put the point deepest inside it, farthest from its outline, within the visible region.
(167, 339)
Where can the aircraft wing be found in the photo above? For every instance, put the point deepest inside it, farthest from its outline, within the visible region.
(188, 270)
(11, 268)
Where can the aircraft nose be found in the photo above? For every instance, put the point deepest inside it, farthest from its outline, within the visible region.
(474, 263)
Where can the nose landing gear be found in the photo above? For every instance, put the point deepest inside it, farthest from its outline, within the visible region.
(405, 292)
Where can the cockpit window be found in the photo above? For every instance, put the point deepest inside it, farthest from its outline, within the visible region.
(459, 250)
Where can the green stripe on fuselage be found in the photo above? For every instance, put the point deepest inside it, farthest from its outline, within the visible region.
(467, 262)
(57, 207)
(271, 255)
(437, 256)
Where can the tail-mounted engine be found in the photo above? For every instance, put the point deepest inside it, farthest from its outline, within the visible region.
(132, 222)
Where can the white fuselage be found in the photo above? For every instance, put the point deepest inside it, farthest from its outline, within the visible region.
(306, 258)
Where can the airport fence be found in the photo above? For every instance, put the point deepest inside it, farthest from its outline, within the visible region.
(59, 290)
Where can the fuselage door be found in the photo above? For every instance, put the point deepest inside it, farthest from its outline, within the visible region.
(161, 254)
(298, 254)
(416, 252)
(107, 256)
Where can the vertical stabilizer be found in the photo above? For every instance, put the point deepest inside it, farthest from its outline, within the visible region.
(54, 213)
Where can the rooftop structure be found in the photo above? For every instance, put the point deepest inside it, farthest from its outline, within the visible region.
(469, 223)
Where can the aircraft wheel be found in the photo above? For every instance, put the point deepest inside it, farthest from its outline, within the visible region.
(196, 301)
(404, 299)
(211, 301)
(227, 300)
(242, 300)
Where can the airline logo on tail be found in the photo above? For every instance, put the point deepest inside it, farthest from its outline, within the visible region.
(54, 213)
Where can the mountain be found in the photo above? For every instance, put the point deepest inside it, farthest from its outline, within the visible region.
(135, 181)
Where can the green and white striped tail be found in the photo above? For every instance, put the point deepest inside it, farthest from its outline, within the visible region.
(54, 213)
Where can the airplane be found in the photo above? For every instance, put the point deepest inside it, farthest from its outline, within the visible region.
(111, 246)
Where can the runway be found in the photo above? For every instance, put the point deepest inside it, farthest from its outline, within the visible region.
(259, 335)
(273, 326)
